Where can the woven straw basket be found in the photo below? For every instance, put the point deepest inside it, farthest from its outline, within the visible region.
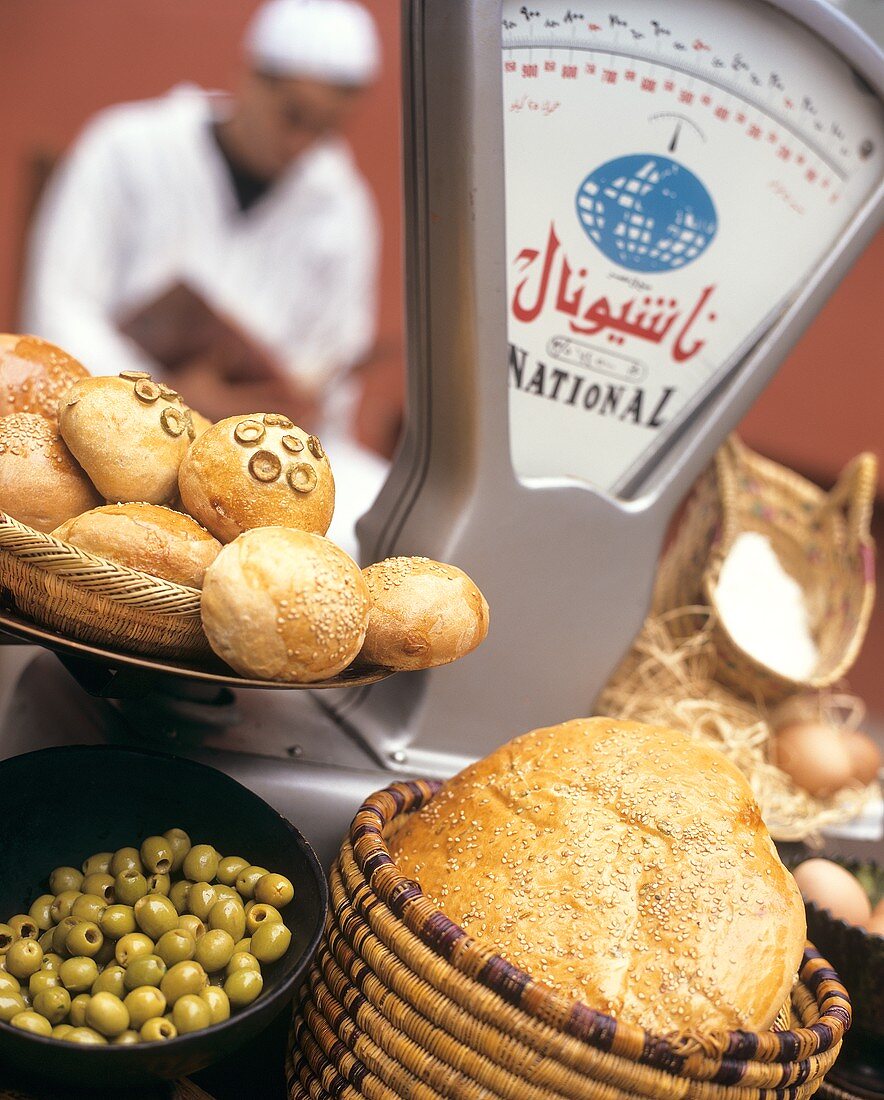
(821, 539)
(401, 1002)
(85, 597)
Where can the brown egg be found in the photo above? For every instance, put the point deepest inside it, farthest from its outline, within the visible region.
(830, 886)
(865, 756)
(814, 756)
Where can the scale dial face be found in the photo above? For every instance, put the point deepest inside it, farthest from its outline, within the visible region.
(674, 174)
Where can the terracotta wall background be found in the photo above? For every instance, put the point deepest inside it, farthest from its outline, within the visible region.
(64, 59)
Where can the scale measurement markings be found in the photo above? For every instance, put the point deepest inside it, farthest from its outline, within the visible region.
(695, 74)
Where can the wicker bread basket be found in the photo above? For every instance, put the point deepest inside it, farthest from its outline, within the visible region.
(85, 597)
(821, 539)
(402, 1003)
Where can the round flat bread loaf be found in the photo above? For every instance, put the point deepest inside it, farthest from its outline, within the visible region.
(624, 865)
(148, 537)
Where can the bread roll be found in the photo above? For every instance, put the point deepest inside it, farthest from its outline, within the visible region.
(149, 537)
(624, 865)
(200, 423)
(129, 434)
(35, 375)
(257, 471)
(40, 482)
(280, 604)
(423, 614)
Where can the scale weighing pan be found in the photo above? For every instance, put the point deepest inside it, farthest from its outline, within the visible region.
(112, 673)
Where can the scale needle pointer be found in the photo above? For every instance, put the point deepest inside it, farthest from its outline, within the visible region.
(674, 142)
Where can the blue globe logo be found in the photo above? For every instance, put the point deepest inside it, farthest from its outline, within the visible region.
(647, 213)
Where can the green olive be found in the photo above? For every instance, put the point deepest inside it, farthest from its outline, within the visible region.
(33, 1022)
(201, 863)
(201, 899)
(229, 917)
(7, 938)
(159, 884)
(191, 1013)
(126, 1038)
(148, 970)
(218, 1002)
(77, 1015)
(24, 958)
(183, 978)
(117, 921)
(11, 1003)
(270, 942)
(63, 879)
(274, 889)
(43, 979)
(60, 934)
(89, 907)
(110, 980)
(243, 987)
(125, 859)
(45, 941)
(213, 951)
(180, 844)
(226, 893)
(155, 915)
(158, 1030)
(84, 938)
(54, 1004)
(143, 1004)
(229, 868)
(178, 892)
(40, 912)
(259, 914)
(244, 944)
(248, 879)
(193, 925)
(241, 960)
(88, 1036)
(106, 954)
(97, 864)
(51, 961)
(157, 854)
(78, 974)
(107, 1014)
(133, 946)
(63, 904)
(129, 886)
(24, 927)
(102, 884)
(61, 1031)
(9, 984)
(176, 946)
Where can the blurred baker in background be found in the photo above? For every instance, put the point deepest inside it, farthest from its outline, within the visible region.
(228, 242)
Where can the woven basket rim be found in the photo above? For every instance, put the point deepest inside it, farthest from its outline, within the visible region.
(406, 900)
(115, 582)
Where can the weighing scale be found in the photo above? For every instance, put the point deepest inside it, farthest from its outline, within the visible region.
(619, 219)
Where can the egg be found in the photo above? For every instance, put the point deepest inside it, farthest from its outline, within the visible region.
(865, 756)
(814, 756)
(830, 886)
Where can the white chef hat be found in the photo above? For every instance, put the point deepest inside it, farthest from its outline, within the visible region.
(331, 40)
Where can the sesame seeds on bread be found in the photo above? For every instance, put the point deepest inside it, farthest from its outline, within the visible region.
(624, 865)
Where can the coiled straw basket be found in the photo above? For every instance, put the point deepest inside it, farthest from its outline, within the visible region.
(85, 597)
(402, 1003)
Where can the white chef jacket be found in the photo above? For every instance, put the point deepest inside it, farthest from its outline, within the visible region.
(145, 200)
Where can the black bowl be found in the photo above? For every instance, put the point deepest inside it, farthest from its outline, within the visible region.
(61, 805)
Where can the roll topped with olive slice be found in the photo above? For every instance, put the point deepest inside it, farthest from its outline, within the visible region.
(128, 433)
(257, 470)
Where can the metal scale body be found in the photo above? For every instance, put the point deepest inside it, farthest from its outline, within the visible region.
(525, 127)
